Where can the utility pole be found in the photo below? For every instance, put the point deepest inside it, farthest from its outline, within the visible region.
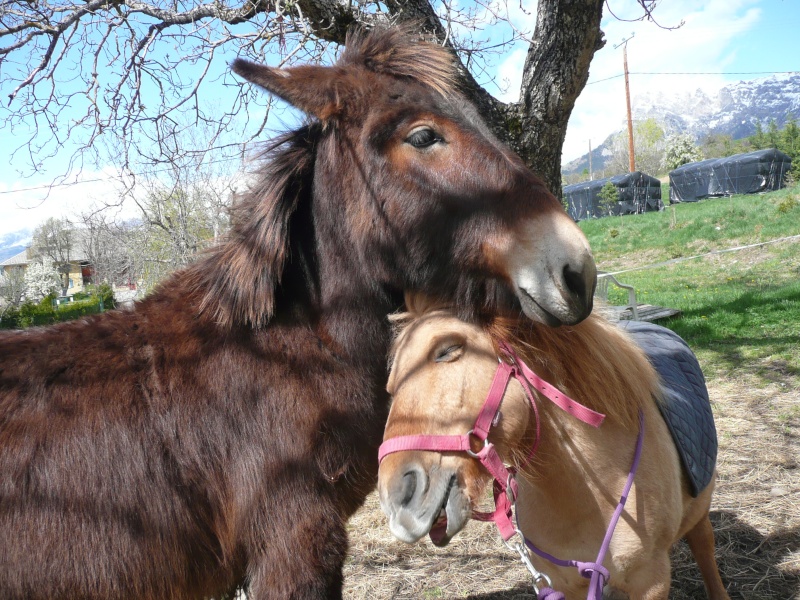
(591, 178)
(624, 44)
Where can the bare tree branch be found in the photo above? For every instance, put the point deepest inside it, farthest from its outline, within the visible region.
(111, 80)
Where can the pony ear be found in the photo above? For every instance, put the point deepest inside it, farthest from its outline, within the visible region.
(310, 88)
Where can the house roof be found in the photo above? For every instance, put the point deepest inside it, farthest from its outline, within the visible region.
(16, 260)
(77, 251)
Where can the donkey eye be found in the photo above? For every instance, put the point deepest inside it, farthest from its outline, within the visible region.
(449, 353)
(423, 137)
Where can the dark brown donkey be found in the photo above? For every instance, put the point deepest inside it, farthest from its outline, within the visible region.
(221, 433)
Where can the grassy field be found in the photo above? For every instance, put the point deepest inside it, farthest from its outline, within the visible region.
(740, 309)
(741, 314)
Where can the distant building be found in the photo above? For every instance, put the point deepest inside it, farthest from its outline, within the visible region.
(75, 275)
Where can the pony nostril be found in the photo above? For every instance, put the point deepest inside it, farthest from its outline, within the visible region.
(408, 487)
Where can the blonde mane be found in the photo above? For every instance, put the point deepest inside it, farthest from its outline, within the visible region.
(594, 362)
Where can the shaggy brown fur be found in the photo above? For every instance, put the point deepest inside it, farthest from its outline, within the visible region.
(221, 432)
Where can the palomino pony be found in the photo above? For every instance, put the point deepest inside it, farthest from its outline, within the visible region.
(220, 433)
(443, 369)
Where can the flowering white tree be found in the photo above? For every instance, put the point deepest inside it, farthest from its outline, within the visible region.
(648, 149)
(41, 278)
(681, 150)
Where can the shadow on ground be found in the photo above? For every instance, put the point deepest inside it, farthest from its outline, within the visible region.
(753, 566)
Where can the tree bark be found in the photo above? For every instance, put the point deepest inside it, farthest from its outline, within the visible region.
(556, 70)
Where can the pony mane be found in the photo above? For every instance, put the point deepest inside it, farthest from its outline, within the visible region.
(238, 279)
(398, 51)
(594, 362)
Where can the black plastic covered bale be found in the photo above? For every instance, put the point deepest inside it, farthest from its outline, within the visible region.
(749, 173)
(638, 193)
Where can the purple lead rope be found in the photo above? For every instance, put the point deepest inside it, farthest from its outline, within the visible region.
(594, 571)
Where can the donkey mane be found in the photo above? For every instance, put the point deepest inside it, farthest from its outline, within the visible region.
(594, 362)
(394, 52)
(237, 280)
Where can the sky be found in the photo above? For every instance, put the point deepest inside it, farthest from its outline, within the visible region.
(727, 40)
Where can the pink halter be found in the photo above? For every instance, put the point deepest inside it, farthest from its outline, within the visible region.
(505, 485)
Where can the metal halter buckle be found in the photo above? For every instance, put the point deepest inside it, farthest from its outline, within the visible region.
(510, 491)
(469, 451)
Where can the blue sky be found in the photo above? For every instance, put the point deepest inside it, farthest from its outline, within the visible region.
(719, 36)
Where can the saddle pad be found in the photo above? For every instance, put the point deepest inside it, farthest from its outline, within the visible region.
(685, 407)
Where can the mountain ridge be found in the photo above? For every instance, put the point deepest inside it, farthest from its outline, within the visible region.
(734, 110)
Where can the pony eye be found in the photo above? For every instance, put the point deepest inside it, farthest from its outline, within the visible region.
(449, 353)
(423, 138)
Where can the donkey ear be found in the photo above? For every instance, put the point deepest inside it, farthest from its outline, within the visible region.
(310, 88)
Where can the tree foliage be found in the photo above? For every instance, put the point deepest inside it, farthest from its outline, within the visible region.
(648, 149)
(12, 287)
(52, 241)
(609, 196)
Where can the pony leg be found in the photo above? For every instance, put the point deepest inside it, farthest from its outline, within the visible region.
(701, 543)
(650, 579)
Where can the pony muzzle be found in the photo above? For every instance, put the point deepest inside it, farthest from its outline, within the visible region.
(420, 501)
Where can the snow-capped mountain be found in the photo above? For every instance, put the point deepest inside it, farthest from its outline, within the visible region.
(734, 111)
(14, 243)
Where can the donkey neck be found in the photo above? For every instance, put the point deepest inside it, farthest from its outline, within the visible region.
(325, 287)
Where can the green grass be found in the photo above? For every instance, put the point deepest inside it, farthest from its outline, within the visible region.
(689, 229)
(740, 310)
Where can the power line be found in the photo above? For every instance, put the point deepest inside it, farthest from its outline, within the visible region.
(696, 73)
(114, 177)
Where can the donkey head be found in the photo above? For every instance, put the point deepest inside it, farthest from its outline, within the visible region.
(411, 186)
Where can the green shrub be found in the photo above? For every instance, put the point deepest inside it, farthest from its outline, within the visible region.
(10, 318)
(609, 196)
(46, 312)
(787, 204)
(42, 313)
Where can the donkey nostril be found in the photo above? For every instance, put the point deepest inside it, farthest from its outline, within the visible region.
(576, 283)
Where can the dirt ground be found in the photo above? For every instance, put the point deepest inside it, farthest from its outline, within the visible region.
(756, 517)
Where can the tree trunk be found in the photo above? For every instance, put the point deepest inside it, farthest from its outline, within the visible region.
(556, 69)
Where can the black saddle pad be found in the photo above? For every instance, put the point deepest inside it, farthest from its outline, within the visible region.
(686, 407)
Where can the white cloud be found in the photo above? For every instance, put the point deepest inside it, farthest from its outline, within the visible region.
(705, 43)
(26, 203)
